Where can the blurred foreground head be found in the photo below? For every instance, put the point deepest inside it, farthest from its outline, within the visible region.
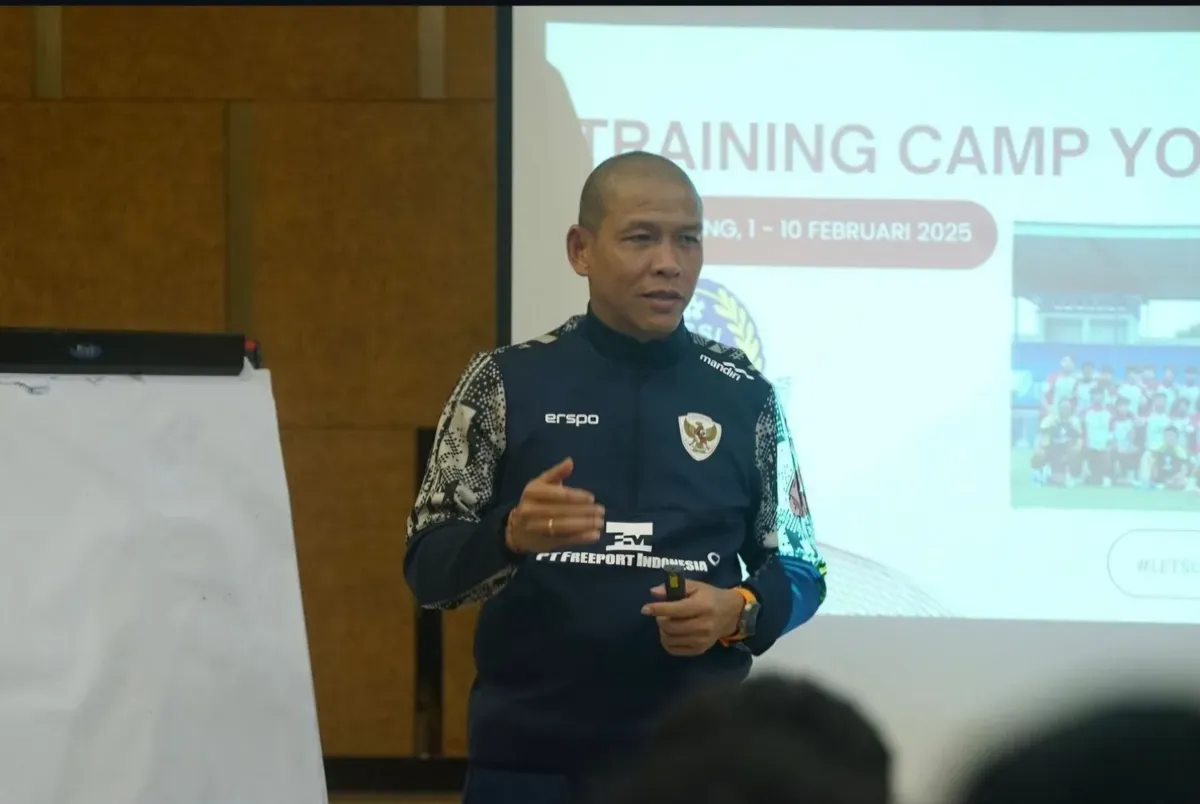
(1124, 753)
(770, 740)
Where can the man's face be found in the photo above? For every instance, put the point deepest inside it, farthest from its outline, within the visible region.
(643, 264)
(1087, 371)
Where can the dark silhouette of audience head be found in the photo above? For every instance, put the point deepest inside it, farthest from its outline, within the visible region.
(1125, 753)
(770, 740)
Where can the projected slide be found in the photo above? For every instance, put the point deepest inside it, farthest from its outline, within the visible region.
(970, 261)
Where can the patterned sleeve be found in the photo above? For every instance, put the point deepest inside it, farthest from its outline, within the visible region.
(453, 509)
(783, 521)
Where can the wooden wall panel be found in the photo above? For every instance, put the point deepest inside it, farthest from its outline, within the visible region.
(458, 663)
(311, 53)
(360, 236)
(471, 52)
(113, 215)
(470, 73)
(374, 256)
(351, 491)
(16, 52)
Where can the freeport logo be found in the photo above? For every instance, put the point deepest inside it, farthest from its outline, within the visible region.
(629, 536)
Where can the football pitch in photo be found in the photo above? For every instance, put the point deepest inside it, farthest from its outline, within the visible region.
(1027, 494)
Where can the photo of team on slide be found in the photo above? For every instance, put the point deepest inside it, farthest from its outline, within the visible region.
(1106, 367)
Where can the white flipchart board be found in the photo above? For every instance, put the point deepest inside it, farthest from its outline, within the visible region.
(152, 640)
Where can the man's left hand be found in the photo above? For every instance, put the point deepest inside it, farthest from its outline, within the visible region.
(691, 626)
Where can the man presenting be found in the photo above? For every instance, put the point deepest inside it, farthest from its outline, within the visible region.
(567, 471)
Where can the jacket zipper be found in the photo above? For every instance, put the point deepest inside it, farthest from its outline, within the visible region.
(635, 468)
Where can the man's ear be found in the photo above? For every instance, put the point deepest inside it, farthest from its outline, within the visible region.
(579, 241)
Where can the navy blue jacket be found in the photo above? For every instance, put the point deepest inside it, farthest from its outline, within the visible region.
(683, 443)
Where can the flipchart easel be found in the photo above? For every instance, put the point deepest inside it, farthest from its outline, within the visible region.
(152, 637)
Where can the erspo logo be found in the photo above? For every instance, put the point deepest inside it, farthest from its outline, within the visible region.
(718, 315)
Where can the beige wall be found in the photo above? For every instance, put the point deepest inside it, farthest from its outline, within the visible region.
(320, 178)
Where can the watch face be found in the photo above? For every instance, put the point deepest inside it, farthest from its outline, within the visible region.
(749, 619)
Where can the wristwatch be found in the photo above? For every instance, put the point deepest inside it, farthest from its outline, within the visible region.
(747, 620)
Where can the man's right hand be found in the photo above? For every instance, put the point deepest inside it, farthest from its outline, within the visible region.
(551, 516)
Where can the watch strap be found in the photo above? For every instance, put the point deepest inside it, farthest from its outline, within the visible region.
(748, 599)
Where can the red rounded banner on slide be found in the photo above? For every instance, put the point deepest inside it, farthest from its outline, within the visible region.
(847, 233)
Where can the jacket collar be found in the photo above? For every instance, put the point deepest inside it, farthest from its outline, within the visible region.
(630, 351)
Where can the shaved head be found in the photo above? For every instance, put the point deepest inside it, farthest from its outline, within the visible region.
(640, 243)
(593, 201)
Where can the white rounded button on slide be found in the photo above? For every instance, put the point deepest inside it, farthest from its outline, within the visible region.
(1157, 563)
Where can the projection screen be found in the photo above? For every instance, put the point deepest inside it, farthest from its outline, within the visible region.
(964, 244)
